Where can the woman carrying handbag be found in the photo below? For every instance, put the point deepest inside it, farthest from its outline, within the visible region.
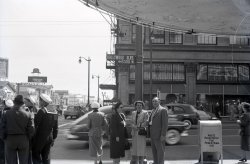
(139, 133)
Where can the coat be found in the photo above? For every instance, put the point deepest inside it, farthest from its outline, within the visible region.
(117, 129)
(245, 131)
(46, 126)
(159, 125)
(16, 122)
(138, 141)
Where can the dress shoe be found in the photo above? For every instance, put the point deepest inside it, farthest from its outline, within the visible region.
(243, 160)
(100, 162)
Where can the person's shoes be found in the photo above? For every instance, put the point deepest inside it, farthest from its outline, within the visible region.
(100, 162)
(243, 160)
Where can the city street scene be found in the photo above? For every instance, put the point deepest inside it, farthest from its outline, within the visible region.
(130, 82)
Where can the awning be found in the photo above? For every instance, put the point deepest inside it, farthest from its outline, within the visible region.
(203, 16)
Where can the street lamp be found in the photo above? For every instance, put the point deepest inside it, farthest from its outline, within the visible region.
(93, 76)
(88, 60)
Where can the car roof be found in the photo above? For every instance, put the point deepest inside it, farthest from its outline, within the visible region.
(105, 110)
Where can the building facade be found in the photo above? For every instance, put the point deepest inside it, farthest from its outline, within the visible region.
(190, 68)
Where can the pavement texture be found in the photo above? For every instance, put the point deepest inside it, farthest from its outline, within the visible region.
(149, 162)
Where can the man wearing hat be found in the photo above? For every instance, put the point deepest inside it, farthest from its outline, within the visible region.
(46, 125)
(16, 130)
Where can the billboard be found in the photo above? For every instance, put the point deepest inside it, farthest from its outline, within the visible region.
(37, 79)
(4, 68)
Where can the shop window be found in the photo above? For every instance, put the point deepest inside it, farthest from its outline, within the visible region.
(175, 38)
(207, 39)
(225, 73)
(239, 40)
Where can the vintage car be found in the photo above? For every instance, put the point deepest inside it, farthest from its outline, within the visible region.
(187, 113)
(74, 111)
(79, 130)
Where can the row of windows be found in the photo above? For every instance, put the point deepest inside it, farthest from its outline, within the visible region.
(161, 72)
(177, 38)
(212, 73)
(223, 73)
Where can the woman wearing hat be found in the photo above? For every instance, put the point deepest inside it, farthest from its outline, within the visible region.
(139, 119)
(244, 123)
(96, 124)
(17, 129)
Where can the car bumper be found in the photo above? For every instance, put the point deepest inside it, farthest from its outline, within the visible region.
(81, 136)
(184, 133)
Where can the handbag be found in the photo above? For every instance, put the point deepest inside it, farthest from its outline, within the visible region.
(142, 131)
(126, 145)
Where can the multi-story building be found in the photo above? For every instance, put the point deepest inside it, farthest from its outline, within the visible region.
(195, 68)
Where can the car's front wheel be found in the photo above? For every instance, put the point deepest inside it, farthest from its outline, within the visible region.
(173, 137)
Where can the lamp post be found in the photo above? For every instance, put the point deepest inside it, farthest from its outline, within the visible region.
(88, 60)
(98, 77)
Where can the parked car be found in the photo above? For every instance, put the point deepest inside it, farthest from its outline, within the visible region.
(74, 111)
(79, 130)
(187, 113)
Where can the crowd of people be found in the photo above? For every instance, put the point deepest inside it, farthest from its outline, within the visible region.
(26, 137)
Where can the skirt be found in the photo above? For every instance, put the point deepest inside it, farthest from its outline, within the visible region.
(95, 146)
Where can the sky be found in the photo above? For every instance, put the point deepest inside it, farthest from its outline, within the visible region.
(51, 35)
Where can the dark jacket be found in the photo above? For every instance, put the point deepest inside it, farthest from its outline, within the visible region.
(46, 126)
(117, 129)
(16, 122)
(245, 131)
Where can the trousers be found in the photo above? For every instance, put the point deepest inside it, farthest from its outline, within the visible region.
(158, 149)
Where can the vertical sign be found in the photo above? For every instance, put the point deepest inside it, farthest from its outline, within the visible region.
(4, 68)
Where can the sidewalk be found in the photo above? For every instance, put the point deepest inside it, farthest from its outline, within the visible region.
(127, 162)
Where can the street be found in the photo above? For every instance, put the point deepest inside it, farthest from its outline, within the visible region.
(187, 149)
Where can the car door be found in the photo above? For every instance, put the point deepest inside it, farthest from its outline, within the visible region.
(178, 112)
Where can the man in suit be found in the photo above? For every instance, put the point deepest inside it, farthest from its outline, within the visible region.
(46, 125)
(158, 125)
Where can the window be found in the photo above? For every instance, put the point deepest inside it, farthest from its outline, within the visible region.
(175, 38)
(162, 72)
(202, 72)
(134, 34)
(178, 110)
(239, 40)
(223, 73)
(226, 73)
(159, 37)
(243, 73)
(207, 39)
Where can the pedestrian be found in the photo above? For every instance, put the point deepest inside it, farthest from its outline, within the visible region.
(30, 107)
(17, 129)
(46, 125)
(97, 124)
(217, 110)
(158, 125)
(6, 105)
(117, 133)
(139, 122)
(244, 123)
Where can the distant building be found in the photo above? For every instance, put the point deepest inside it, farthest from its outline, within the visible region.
(7, 90)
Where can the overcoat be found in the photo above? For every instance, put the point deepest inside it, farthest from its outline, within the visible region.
(117, 129)
(138, 141)
(245, 131)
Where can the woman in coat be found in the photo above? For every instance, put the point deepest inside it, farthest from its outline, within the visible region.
(96, 124)
(139, 119)
(245, 130)
(117, 133)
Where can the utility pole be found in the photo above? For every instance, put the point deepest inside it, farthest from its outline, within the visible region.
(98, 77)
